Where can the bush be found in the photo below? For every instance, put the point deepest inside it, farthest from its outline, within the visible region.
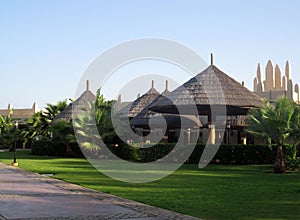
(76, 150)
(146, 154)
(238, 154)
(292, 157)
(47, 148)
(226, 154)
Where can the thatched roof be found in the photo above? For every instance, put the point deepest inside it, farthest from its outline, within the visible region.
(142, 118)
(140, 103)
(203, 91)
(79, 105)
(173, 121)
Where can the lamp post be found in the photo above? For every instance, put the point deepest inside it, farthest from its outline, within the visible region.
(15, 163)
(188, 135)
(228, 129)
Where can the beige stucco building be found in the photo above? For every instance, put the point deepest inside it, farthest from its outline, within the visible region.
(275, 84)
(19, 113)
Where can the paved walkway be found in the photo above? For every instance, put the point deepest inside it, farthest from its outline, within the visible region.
(25, 195)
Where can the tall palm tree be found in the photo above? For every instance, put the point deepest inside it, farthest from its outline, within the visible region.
(276, 123)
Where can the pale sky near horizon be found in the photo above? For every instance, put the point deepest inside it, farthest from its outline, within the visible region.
(45, 46)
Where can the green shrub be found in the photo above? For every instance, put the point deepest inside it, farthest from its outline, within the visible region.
(238, 154)
(226, 154)
(76, 150)
(146, 154)
(292, 157)
(47, 148)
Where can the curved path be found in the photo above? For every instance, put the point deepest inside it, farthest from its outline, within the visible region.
(25, 195)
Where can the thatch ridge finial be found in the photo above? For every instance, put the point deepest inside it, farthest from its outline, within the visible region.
(211, 59)
(87, 85)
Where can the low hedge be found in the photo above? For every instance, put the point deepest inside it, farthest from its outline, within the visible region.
(47, 148)
(226, 154)
(146, 154)
(238, 154)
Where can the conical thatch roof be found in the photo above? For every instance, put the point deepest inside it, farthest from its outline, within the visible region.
(173, 121)
(203, 90)
(142, 118)
(79, 105)
(140, 103)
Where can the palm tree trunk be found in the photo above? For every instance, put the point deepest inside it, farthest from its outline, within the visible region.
(279, 166)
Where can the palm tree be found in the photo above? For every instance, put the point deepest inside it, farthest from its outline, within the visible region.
(37, 127)
(5, 122)
(63, 134)
(39, 122)
(276, 123)
(99, 112)
(7, 130)
(53, 110)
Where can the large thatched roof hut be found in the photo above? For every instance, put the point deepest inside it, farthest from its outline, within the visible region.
(212, 93)
(203, 91)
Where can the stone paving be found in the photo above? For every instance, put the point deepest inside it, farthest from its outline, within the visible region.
(30, 196)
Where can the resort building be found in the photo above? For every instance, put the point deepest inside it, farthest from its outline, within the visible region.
(19, 113)
(201, 125)
(275, 85)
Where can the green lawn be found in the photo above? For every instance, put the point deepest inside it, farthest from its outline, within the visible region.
(216, 192)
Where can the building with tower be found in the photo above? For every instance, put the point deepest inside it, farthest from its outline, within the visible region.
(275, 84)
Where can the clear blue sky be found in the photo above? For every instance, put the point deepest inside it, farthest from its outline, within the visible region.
(45, 46)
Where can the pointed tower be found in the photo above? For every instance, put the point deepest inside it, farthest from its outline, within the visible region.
(258, 73)
(297, 93)
(287, 70)
(255, 85)
(284, 83)
(269, 82)
(259, 87)
(277, 78)
(35, 107)
(290, 89)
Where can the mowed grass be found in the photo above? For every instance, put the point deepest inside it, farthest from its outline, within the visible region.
(215, 192)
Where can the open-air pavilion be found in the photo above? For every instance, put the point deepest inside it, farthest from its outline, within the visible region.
(215, 95)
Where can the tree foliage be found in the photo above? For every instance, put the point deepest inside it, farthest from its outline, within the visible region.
(275, 122)
(8, 134)
(39, 122)
(94, 126)
(279, 123)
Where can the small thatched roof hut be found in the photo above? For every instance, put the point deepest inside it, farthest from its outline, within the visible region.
(134, 108)
(173, 121)
(81, 104)
(142, 118)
